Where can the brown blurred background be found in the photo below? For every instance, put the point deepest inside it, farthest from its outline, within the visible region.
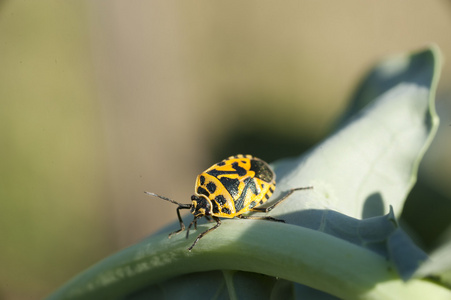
(101, 100)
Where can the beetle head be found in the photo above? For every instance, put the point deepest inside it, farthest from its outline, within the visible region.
(200, 206)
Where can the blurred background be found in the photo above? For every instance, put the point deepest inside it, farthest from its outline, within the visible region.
(102, 100)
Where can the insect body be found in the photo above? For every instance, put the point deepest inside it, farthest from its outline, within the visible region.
(228, 189)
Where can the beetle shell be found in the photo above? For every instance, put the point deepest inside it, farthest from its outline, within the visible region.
(233, 186)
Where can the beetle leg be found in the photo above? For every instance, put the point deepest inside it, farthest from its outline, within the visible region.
(193, 222)
(288, 194)
(261, 218)
(182, 225)
(218, 222)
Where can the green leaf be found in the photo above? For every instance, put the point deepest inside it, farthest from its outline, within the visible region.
(371, 161)
(367, 166)
(221, 285)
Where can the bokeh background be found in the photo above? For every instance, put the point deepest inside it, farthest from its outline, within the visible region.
(101, 100)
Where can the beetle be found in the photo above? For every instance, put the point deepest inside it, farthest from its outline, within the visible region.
(228, 189)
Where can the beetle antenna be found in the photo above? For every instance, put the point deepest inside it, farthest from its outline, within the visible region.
(170, 200)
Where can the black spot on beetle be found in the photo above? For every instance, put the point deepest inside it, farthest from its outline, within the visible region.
(211, 187)
(239, 170)
(231, 185)
(221, 200)
(262, 170)
(226, 211)
(202, 191)
(202, 180)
